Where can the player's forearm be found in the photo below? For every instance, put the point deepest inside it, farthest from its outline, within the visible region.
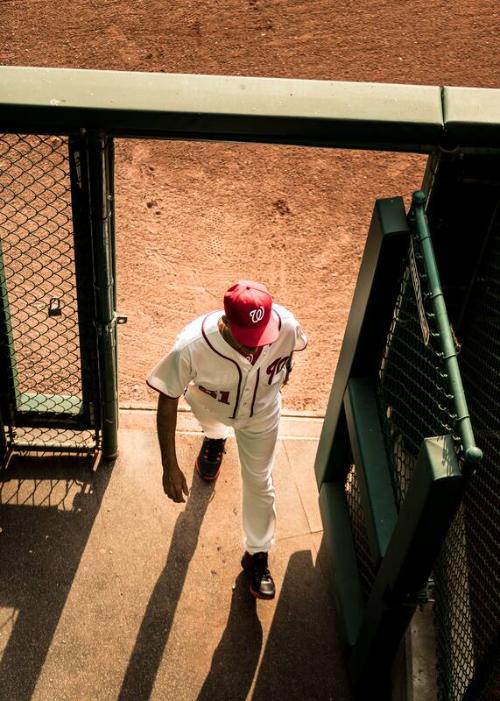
(166, 421)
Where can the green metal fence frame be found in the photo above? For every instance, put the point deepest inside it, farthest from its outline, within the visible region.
(100, 162)
(90, 157)
(7, 388)
(96, 106)
(404, 545)
(364, 338)
(85, 276)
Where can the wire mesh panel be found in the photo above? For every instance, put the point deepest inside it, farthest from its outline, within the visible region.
(416, 402)
(414, 396)
(468, 571)
(412, 382)
(40, 332)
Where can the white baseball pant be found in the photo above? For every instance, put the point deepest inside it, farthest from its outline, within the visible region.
(256, 441)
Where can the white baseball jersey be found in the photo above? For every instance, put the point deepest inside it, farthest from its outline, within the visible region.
(218, 378)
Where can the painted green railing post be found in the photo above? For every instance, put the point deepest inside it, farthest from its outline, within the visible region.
(110, 190)
(472, 453)
(366, 327)
(85, 289)
(366, 331)
(103, 254)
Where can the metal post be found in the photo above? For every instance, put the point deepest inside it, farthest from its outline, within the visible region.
(7, 354)
(85, 293)
(362, 348)
(102, 247)
(367, 326)
(3, 441)
(471, 452)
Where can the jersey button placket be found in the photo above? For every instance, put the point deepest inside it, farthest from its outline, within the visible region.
(245, 372)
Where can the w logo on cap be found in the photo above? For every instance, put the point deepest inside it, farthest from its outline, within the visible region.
(248, 308)
(257, 315)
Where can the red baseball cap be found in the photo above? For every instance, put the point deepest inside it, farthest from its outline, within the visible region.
(248, 306)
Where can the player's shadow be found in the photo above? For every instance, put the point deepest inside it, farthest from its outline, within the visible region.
(47, 508)
(235, 660)
(302, 657)
(160, 612)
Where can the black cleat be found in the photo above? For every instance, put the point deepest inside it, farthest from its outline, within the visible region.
(209, 458)
(261, 582)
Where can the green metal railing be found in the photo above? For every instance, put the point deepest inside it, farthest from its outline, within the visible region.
(380, 116)
(448, 352)
(100, 164)
(393, 473)
(422, 393)
(420, 385)
(467, 572)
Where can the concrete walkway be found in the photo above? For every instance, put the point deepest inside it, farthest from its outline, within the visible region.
(110, 591)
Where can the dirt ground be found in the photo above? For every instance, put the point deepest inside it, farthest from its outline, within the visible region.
(194, 217)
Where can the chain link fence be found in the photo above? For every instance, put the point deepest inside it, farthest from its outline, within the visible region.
(468, 570)
(414, 400)
(41, 334)
(415, 403)
(367, 568)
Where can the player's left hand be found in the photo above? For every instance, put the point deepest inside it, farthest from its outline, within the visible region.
(175, 485)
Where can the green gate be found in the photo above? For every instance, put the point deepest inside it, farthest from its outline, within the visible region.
(57, 299)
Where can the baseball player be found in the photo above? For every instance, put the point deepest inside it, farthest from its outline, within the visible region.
(230, 365)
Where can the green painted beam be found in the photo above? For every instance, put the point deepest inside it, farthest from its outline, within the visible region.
(3, 440)
(472, 116)
(380, 116)
(272, 110)
(372, 465)
(340, 549)
(84, 277)
(368, 322)
(101, 211)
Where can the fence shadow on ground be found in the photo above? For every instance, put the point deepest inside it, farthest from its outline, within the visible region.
(48, 505)
(301, 659)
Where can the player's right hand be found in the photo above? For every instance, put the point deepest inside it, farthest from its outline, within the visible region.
(174, 484)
